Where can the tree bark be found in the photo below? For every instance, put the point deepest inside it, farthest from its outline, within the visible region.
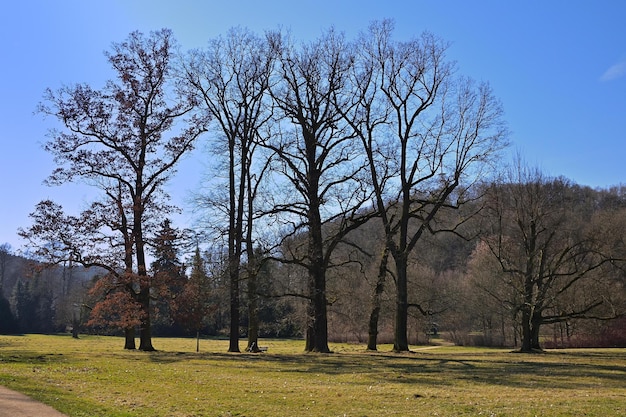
(233, 345)
(320, 324)
(535, 325)
(253, 314)
(145, 330)
(400, 340)
(75, 325)
(372, 339)
(129, 339)
(317, 270)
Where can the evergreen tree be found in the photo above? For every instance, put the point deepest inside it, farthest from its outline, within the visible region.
(168, 276)
(24, 304)
(8, 324)
(193, 304)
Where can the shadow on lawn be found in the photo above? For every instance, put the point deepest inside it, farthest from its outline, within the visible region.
(564, 370)
(29, 357)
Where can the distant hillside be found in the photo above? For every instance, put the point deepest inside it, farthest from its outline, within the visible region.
(40, 299)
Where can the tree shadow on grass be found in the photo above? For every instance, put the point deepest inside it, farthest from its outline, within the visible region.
(29, 357)
(565, 370)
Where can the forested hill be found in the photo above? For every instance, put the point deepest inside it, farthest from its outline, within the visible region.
(458, 285)
(35, 299)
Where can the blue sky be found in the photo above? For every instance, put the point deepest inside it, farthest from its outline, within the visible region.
(559, 68)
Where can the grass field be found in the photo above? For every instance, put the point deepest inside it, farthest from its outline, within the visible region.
(94, 376)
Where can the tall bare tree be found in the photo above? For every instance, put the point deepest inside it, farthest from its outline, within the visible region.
(548, 249)
(231, 76)
(124, 140)
(427, 135)
(321, 167)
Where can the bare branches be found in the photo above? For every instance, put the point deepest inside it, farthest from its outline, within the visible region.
(547, 249)
(124, 140)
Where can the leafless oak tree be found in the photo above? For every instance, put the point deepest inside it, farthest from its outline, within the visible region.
(427, 134)
(319, 161)
(549, 252)
(124, 140)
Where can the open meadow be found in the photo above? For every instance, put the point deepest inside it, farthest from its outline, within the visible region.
(93, 376)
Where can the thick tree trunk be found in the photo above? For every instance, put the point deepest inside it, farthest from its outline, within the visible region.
(535, 326)
(531, 325)
(401, 341)
(372, 339)
(317, 341)
(145, 331)
(320, 325)
(317, 329)
(129, 339)
(235, 237)
(234, 311)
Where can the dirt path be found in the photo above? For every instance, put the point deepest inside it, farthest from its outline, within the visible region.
(14, 404)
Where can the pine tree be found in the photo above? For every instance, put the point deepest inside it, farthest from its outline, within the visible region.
(168, 276)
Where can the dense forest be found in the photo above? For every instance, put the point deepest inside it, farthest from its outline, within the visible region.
(356, 192)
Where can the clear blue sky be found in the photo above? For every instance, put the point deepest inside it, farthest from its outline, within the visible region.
(559, 68)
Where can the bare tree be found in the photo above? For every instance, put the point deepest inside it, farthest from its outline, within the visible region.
(232, 76)
(379, 288)
(427, 135)
(320, 166)
(124, 140)
(548, 249)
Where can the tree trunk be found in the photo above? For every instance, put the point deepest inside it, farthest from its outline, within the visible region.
(253, 315)
(198, 341)
(310, 316)
(372, 339)
(526, 330)
(317, 331)
(235, 237)
(320, 325)
(129, 338)
(401, 341)
(75, 326)
(145, 331)
(535, 325)
(309, 338)
(317, 328)
(234, 309)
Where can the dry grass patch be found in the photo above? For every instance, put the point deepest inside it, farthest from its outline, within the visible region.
(94, 376)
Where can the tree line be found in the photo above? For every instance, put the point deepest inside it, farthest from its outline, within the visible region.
(312, 145)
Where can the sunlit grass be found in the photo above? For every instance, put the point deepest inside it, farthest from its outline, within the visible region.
(94, 376)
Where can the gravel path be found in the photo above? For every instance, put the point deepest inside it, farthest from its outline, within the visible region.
(14, 404)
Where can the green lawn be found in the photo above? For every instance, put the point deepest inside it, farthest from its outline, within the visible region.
(94, 376)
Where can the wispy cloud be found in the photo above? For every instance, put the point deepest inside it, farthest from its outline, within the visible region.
(615, 71)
